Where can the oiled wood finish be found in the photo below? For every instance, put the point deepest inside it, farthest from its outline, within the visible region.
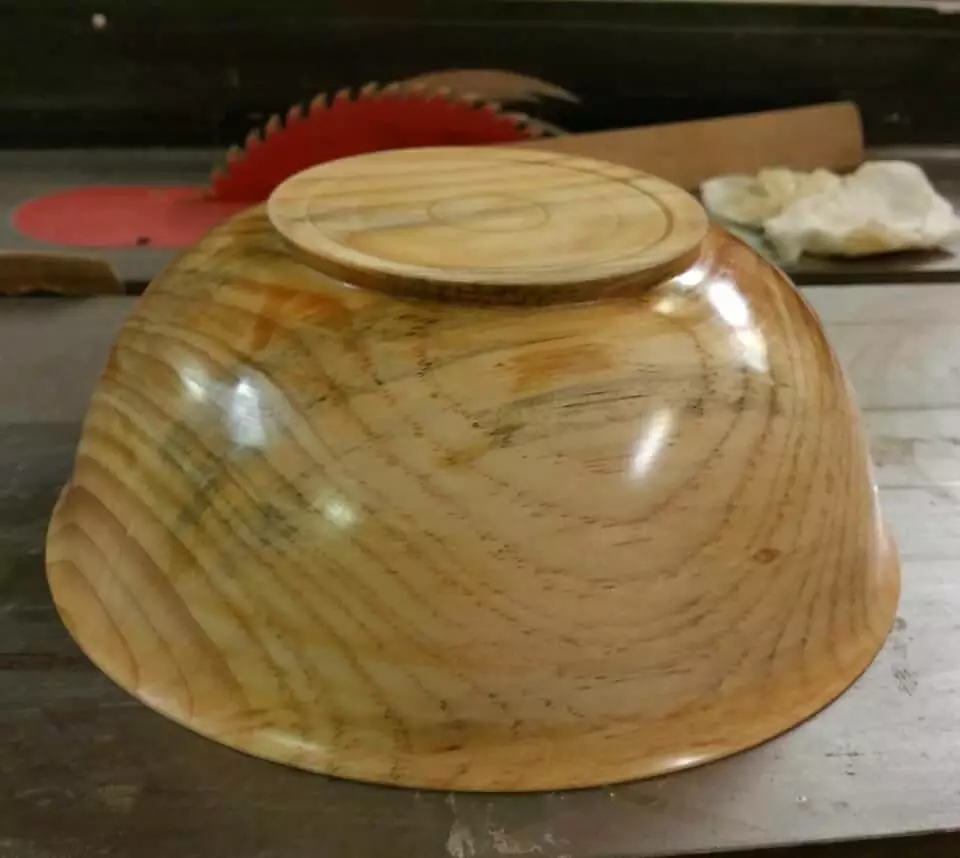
(489, 224)
(473, 546)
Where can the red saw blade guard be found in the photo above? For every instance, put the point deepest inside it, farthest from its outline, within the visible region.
(369, 123)
(177, 217)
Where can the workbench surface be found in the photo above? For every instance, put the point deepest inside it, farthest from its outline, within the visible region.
(85, 770)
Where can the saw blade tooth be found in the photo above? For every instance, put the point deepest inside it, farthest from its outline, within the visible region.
(516, 118)
(553, 130)
(470, 99)
(533, 127)
(539, 128)
(369, 90)
(254, 178)
(273, 126)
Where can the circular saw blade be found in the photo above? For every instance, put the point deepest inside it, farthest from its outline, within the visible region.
(373, 120)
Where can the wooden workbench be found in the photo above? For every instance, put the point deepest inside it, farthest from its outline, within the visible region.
(87, 771)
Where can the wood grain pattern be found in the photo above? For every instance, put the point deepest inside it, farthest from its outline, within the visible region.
(688, 153)
(473, 546)
(24, 273)
(490, 224)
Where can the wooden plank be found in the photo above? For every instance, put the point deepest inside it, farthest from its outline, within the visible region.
(687, 153)
(62, 274)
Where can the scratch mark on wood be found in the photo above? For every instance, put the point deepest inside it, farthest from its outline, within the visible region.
(905, 677)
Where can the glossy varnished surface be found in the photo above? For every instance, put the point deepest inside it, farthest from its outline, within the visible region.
(490, 225)
(473, 547)
(82, 762)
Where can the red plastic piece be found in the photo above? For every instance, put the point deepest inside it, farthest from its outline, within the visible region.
(123, 216)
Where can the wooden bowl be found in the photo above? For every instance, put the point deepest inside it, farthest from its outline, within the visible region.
(477, 469)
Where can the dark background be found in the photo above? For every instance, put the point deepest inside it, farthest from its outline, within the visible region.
(201, 72)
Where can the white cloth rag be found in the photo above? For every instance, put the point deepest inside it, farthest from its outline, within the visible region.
(885, 206)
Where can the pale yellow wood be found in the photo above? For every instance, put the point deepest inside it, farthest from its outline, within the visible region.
(497, 546)
(24, 273)
(488, 223)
